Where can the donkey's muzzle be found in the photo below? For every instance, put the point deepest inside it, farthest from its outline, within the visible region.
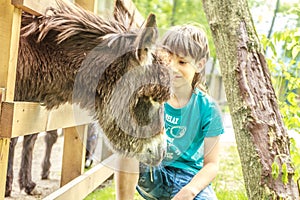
(154, 152)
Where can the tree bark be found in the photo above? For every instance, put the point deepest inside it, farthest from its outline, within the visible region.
(261, 136)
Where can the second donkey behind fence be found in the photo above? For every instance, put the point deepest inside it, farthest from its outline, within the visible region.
(25, 178)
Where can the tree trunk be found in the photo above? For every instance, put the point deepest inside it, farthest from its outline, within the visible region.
(262, 139)
(172, 21)
(273, 19)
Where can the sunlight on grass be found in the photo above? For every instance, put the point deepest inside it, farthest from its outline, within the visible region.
(107, 193)
(229, 184)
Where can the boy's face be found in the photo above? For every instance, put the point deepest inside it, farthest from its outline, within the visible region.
(184, 69)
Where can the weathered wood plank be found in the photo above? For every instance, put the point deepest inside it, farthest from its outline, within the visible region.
(23, 118)
(35, 7)
(4, 148)
(81, 186)
(87, 4)
(6, 119)
(67, 116)
(73, 155)
(10, 21)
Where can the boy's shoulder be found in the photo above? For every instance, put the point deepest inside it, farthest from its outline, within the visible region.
(203, 95)
(204, 99)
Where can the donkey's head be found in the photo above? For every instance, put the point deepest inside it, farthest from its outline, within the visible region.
(109, 67)
(131, 84)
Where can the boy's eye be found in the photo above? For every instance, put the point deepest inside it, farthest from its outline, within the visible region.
(182, 62)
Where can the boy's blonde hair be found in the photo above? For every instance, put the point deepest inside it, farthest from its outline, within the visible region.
(189, 40)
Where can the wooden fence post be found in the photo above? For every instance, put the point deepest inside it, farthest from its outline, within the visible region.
(87, 4)
(75, 137)
(74, 152)
(10, 20)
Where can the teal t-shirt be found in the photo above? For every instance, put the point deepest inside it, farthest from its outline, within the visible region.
(186, 129)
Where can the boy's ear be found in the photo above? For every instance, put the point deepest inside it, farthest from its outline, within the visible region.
(201, 65)
(146, 38)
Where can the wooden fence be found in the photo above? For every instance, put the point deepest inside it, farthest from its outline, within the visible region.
(24, 118)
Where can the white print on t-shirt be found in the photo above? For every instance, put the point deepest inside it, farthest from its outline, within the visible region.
(171, 119)
(177, 131)
(172, 149)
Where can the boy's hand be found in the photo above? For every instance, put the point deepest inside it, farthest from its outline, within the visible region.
(185, 193)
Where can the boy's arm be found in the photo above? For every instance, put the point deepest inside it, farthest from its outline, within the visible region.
(126, 177)
(206, 175)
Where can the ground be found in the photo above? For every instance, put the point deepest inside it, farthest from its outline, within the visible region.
(46, 187)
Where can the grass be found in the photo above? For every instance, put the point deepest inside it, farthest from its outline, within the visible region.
(107, 193)
(228, 184)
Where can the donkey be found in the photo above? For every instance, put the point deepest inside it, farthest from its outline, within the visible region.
(108, 67)
(25, 180)
(50, 138)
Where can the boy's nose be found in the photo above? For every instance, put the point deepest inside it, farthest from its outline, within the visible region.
(173, 67)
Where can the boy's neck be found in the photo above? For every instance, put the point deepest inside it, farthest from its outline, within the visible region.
(180, 96)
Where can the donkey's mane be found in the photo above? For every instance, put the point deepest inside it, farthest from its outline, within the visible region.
(70, 24)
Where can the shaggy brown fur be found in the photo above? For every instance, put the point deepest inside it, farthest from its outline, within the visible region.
(71, 55)
(106, 66)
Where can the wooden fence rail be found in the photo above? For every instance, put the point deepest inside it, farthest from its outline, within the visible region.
(23, 118)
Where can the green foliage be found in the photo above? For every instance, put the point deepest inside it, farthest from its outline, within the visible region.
(176, 12)
(254, 3)
(295, 154)
(285, 8)
(288, 8)
(284, 65)
(285, 71)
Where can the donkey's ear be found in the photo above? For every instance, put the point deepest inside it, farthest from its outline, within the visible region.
(146, 38)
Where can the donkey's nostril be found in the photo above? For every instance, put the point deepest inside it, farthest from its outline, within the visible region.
(149, 151)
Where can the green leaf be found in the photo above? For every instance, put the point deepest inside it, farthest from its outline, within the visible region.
(275, 170)
(295, 51)
(273, 48)
(291, 97)
(284, 170)
(289, 46)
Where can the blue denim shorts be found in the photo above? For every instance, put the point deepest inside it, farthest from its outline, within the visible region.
(164, 182)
